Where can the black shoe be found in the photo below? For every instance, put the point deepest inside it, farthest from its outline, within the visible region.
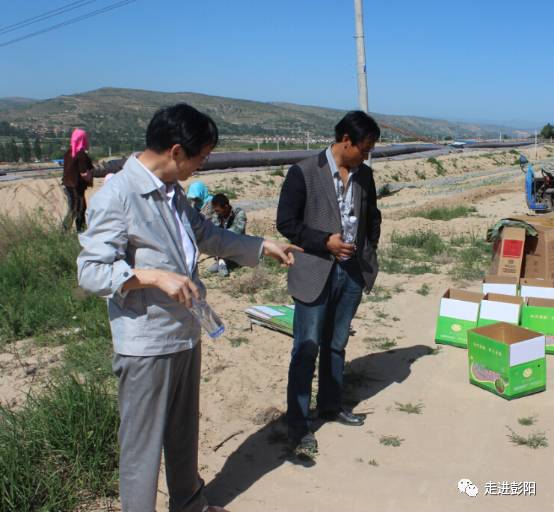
(306, 447)
(344, 417)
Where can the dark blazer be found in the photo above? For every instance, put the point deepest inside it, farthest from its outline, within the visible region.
(308, 213)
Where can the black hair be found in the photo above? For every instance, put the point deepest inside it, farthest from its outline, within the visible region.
(358, 126)
(220, 200)
(184, 125)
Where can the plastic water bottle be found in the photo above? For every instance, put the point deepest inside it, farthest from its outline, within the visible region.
(207, 318)
(348, 235)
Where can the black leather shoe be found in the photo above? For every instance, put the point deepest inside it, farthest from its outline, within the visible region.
(344, 417)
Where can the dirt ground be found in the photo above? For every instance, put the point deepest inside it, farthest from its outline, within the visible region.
(461, 432)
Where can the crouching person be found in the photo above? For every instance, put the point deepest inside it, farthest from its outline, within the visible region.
(140, 251)
(229, 218)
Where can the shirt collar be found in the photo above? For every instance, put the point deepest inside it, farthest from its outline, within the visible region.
(333, 165)
(166, 189)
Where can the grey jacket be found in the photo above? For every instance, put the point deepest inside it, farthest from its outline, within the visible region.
(320, 213)
(130, 225)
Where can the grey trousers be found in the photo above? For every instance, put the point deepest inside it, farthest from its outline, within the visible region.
(159, 408)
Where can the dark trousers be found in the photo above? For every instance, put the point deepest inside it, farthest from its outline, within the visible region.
(76, 208)
(322, 327)
(159, 408)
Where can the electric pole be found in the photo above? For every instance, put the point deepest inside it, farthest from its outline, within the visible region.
(360, 50)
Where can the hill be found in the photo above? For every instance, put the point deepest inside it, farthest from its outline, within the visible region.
(112, 114)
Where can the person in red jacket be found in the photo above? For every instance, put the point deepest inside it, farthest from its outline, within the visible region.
(77, 176)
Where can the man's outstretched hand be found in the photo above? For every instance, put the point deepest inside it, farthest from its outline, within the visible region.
(283, 252)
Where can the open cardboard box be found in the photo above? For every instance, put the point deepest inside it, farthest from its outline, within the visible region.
(507, 285)
(458, 312)
(507, 360)
(499, 308)
(537, 314)
(534, 287)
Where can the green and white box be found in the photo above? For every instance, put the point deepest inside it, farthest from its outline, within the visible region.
(499, 308)
(537, 314)
(507, 360)
(458, 312)
(533, 287)
(500, 285)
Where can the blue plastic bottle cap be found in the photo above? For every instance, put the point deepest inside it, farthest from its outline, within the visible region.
(218, 332)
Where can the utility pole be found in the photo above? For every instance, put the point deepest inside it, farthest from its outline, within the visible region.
(360, 50)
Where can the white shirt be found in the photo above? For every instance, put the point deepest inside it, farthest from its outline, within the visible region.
(345, 197)
(168, 192)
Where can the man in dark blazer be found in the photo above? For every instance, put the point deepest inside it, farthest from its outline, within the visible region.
(328, 206)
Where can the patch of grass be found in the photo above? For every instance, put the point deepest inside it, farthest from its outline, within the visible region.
(382, 343)
(237, 341)
(279, 295)
(422, 252)
(473, 260)
(373, 463)
(381, 315)
(445, 213)
(378, 294)
(534, 441)
(391, 440)
(60, 450)
(398, 289)
(439, 168)
(249, 282)
(396, 177)
(421, 175)
(429, 242)
(277, 172)
(230, 192)
(37, 278)
(527, 421)
(409, 407)
(423, 290)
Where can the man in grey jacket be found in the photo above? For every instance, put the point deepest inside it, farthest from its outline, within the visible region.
(140, 252)
(328, 206)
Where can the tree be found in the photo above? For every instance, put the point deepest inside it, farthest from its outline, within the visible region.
(26, 152)
(547, 131)
(13, 151)
(3, 153)
(37, 149)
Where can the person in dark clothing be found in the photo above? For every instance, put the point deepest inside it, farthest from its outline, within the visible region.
(77, 176)
(328, 206)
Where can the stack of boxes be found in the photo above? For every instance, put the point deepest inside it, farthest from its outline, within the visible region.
(509, 327)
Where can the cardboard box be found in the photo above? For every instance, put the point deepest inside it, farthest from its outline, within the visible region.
(533, 287)
(539, 250)
(507, 285)
(537, 314)
(499, 308)
(458, 312)
(507, 360)
(508, 252)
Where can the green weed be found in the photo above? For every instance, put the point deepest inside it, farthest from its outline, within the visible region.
(60, 450)
(391, 440)
(534, 441)
(409, 407)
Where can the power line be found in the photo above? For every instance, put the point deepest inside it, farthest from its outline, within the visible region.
(44, 16)
(90, 14)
